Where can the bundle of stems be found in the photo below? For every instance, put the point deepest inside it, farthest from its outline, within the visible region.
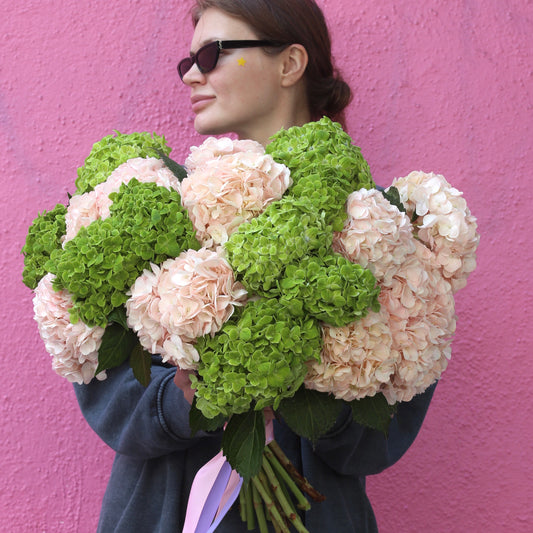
(276, 494)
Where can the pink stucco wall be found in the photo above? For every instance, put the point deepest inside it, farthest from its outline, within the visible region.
(442, 86)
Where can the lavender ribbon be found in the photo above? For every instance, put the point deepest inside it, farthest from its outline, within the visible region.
(215, 488)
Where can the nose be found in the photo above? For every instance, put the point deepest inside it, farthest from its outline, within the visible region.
(193, 76)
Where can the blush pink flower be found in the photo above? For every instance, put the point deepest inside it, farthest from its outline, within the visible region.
(422, 322)
(404, 348)
(213, 148)
(356, 360)
(399, 351)
(88, 207)
(231, 189)
(81, 211)
(181, 300)
(73, 347)
(443, 222)
(376, 234)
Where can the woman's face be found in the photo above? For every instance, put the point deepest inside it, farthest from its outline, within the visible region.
(242, 93)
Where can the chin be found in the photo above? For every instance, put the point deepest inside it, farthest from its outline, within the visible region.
(205, 126)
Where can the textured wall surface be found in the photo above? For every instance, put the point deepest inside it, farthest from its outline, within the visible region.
(439, 86)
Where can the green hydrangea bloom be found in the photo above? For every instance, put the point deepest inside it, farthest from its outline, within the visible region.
(332, 289)
(256, 360)
(147, 225)
(111, 151)
(44, 236)
(286, 231)
(325, 166)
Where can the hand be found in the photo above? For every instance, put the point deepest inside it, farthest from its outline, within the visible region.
(183, 381)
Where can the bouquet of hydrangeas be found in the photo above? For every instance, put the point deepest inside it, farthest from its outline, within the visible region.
(281, 277)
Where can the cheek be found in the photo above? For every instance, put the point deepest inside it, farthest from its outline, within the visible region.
(241, 89)
(234, 88)
(263, 95)
(225, 81)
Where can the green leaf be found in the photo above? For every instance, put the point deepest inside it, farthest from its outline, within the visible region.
(310, 413)
(199, 422)
(373, 412)
(117, 345)
(118, 316)
(393, 196)
(243, 443)
(141, 363)
(174, 167)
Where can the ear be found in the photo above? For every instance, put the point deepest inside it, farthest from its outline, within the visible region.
(294, 64)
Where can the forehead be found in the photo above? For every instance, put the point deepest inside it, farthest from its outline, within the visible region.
(216, 24)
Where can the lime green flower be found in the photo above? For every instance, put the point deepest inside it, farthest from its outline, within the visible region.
(111, 151)
(325, 166)
(256, 360)
(44, 236)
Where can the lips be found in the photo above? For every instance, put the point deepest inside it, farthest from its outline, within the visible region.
(198, 102)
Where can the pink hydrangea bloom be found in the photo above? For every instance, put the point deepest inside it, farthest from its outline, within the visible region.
(226, 191)
(180, 300)
(88, 207)
(443, 222)
(213, 148)
(376, 234)
(422, 322)
(82, 210)
(73, 347)
(399, 351)
(356, 360)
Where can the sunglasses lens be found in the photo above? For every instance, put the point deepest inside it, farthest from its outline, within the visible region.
(207, 57)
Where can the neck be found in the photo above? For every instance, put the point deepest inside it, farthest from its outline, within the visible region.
(264, 134)
(292, 114)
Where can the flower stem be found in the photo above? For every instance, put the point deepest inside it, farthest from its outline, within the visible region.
(266, 485)
(303, 503)
(286, 505)
(242, 504)
(250, 513)
(259, 511)
(277, 529)
(301, 481)
(260, 482)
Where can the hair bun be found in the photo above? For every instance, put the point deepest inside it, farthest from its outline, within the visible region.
(330, 95)
(339, 97)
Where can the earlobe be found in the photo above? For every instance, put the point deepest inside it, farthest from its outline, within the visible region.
(294, 64)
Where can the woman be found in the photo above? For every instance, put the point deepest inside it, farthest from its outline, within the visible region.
(281, 76)
(256, 91)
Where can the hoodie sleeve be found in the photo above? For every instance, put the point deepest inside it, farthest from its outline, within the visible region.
(141, 422)
(351, 449)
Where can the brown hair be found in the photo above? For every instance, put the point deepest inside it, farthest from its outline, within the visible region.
(294, 21)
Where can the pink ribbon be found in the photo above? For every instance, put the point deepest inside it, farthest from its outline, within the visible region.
(214, 489)
(269, 432)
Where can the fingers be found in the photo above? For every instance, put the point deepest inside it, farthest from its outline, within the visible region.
(183, 381)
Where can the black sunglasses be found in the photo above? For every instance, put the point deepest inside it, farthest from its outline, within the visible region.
(207, 56)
